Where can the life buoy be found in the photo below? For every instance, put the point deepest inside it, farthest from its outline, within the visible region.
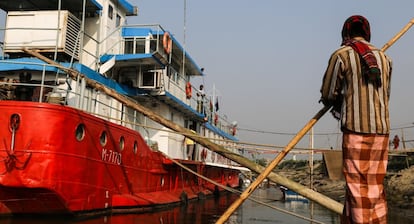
(188, 90)
(167, 42)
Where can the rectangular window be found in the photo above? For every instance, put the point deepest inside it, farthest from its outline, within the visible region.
(111, 12)
(149, 79)
(140, 46)
(118, 20)
(129, 46)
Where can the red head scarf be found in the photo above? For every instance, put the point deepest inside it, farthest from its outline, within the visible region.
(358, 26)
(356, 23)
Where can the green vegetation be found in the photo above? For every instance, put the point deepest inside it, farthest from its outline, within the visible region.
(293, 164)
(261, 162)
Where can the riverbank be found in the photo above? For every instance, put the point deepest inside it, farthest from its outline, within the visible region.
(399, 182)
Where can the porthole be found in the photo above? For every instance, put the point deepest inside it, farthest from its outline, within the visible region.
(103, 139)
(121, 143)
(80, 132)
(135, 149)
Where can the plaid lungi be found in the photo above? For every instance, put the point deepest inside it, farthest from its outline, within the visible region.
(365, 158)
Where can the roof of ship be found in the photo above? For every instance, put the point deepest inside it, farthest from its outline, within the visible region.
(70, 5)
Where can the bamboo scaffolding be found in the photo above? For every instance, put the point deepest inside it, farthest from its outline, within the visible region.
(292, 143)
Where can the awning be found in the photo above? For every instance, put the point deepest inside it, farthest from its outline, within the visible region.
(133, 59)
(25, 64)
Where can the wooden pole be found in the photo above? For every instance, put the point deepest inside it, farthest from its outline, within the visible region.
(291, 144)
(300, 189)
(272, 165)
(398, 35)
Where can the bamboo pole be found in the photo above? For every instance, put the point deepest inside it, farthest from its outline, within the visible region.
(272, 165)
(398, 35)
(300, 189)
(292, 143)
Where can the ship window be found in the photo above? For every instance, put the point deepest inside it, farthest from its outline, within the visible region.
(129, 46)
(121, 143)
(140, 46)
(111, 12)
(153, 46)
(118, 20)
(80, 132)
(148, 79)
(103, 138)
(135, 147)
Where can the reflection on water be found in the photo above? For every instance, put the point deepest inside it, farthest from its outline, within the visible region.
(209, 210)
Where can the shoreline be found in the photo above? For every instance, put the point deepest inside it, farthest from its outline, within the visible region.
(399, 185)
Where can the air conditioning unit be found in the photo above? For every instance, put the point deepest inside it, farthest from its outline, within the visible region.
(149, 80)
(48, 31)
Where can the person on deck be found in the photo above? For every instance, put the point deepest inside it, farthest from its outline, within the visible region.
(357, 85)
(200, 99)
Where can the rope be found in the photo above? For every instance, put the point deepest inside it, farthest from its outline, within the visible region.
(266, 148)
(239, 192)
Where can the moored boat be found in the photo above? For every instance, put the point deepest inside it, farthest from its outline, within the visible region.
(289, 195)
(69, 147)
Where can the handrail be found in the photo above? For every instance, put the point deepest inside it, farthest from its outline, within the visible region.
(46, 87)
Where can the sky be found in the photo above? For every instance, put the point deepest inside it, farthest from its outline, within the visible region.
(266, 59)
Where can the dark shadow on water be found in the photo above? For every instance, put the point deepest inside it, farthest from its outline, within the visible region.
(207, 211)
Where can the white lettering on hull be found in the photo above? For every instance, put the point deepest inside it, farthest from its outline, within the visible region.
(111, 156)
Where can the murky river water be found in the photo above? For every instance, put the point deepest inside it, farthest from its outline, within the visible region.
(209, 210)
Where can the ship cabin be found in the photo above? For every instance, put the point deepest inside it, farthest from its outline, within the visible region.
(143, 62)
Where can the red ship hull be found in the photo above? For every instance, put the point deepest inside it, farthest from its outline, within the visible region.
(48, 166)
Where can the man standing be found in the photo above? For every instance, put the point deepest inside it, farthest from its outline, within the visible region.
(396, 142)
(357, 84)
(200, 99)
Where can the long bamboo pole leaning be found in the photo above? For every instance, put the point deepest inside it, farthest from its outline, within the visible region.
(292, 143)
(300, 189)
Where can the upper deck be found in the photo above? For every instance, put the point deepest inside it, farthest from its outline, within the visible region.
(143, 60)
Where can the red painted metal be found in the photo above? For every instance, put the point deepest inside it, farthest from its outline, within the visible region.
(45, 168)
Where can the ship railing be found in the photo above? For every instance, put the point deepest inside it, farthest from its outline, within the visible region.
(172, 80)
(40, 86)
(45, 85)
(115, 43)
(127, 118)
(206, 105)
(137, 122)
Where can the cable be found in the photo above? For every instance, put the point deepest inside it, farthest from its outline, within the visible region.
(239, 192)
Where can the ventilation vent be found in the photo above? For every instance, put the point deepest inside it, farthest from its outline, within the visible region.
(72, 42)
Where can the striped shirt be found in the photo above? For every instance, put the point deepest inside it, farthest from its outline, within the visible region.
(364, 107)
